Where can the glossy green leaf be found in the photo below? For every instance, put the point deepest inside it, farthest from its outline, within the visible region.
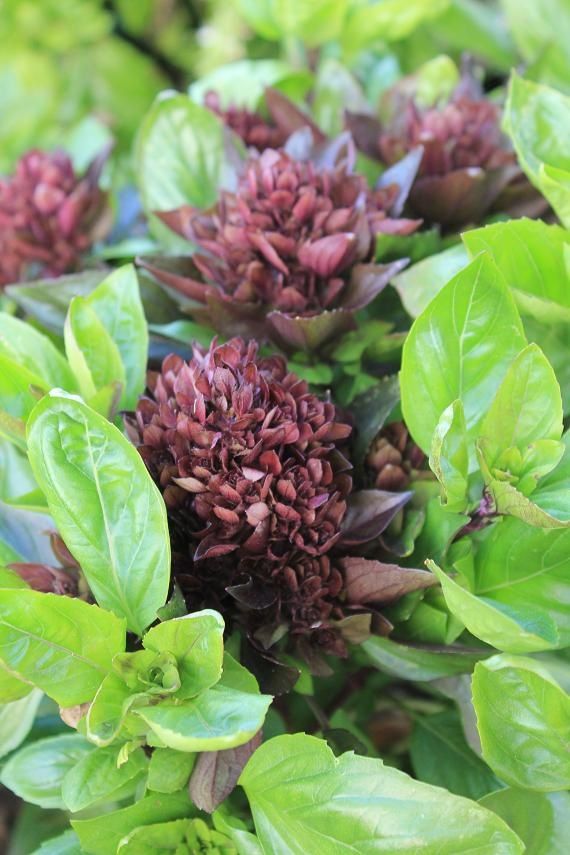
(510, 502)
(537, 118)
(304, 799)
(36, 772)
(419, 663)
(196, 641)
(16, 720)
(449, 457)
(105, 505)
(61, 645)
(22, 343)
(179, 154)
(19, 392)
(169, 770)
(531, 256)
(419, 284)
(117, 304)
(441, 756)
(98, 777)
(526, 569)
(459, 349)
(92, 353)
(218, 718)
(11, 687)
(523, 718)
(108, 710)
(506, 627)
(541, 820)
(102, 834)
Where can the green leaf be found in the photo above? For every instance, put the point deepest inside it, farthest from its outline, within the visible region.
(449, 457)
(108, 710)
(389, 20)
(196, 640)
(179, 155)
(315, 23)
(16, 720)
(467, 25)
(181, 835)
(459, 349)
(419, 663)
(20, 342)
(11, 687)
(510, 502)
(61, 645)
(93, 355)
(541, 30)
(537, 119)
(304, 799)
(526, 410)
(541, 820)
(97, 777)
(49, 304)
(169, 770)
(17, 398)
(35, 773)
(531, 256)
(218, 718)
(105, 505)
(523, 718)
(419, 284)
(526, 569)
(516, 630)
(241, 83)
(102, 834)
(117, 304)
(65, 844)
(440, 756)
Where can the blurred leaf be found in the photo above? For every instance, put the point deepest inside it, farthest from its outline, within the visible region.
(241, 83)
(541, 30)
(541, 820)
(314, 22)
(441, 756)
(537, 119)
(389, 20)
(47, 300)
(16, 720)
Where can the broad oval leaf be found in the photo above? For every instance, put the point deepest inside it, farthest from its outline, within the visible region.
(523, 718)
(459, 349)
(509, 628)
(105, 505)
(541, 820)
(21, 342)
(97, 777)
(304, 799)
(36, 772)
(526, 408)
(419, 663)
(117, 304)
(217, 719)
(16, 720)
(179, 154)
(169, 770)
(537, 118)
(61, 645)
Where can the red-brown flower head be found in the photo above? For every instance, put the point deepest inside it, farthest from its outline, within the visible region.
(288, 255)
(463, 133)
(249, 125)
(49, 216)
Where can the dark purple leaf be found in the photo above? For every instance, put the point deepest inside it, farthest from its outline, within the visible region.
(288, 117)
(368, 514)
(460, 197)
(216, 773)
(375, 582)
(273, 676)
(403, 174)
(178, 274)
(355, 628)
(365, 132)
(293, 332)
(367, 281)
(252, 595)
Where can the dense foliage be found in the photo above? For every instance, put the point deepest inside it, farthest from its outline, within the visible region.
(284, 408)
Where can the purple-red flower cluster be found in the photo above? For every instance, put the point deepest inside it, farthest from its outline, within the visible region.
(49, 216)
(289, 255)
(253, 471)
(249, 125)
